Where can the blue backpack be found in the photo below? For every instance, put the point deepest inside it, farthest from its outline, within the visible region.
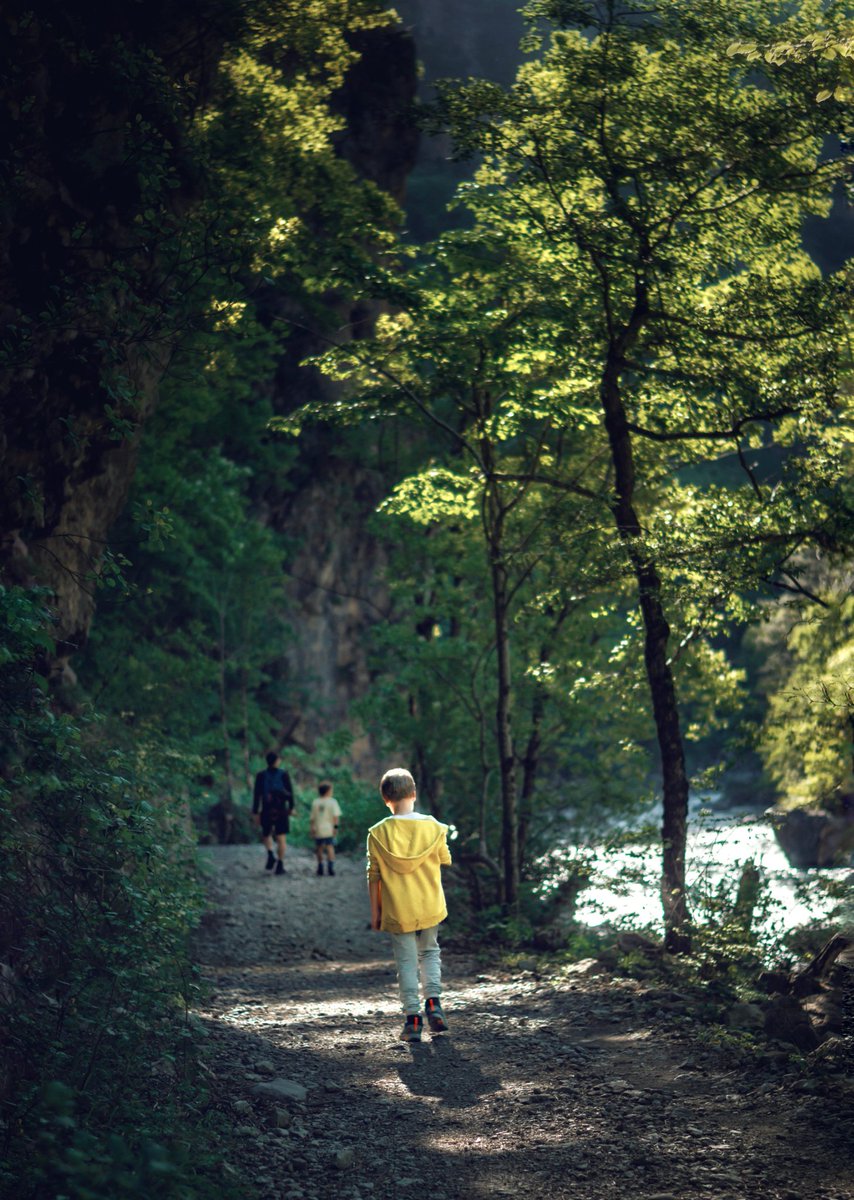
(276, 792)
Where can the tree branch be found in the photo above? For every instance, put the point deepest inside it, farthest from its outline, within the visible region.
(686, 435)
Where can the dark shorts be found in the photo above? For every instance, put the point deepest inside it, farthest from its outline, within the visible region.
(324, 841)
(278, 824)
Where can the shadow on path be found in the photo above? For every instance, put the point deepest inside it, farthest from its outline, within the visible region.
(438, 1069)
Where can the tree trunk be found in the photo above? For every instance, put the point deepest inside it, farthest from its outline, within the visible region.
(747, 895)
(503, 723)
(481, 816)
(677, 938)
(494, 514)
(530, 763)
(247, 764)
(228, 799)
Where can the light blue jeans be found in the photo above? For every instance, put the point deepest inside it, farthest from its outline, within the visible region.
(414, 954)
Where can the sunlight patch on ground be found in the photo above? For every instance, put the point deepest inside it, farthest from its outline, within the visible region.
(307, 1012)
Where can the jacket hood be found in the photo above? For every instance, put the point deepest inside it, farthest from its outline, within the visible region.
(404, 843)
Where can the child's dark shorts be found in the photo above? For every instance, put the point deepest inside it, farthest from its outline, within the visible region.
(324, 841)
(277, 823)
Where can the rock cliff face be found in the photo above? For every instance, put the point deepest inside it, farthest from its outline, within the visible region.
(334, 589)
(83, 295)
(87, 301)
(381, 140)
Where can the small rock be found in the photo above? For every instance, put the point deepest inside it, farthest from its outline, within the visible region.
(265, 1067)
(164, 1067)
(749, 1017)
(247, 1131)
(344, 1156)
(282, 1118)
(242, 1107)
(281, 1089)
(586, 967)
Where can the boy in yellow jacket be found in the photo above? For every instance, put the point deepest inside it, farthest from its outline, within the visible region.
(405, 854)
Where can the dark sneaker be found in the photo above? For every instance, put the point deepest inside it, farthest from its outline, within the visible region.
(319, 868)
(435, 1016)
(271, 861)
(412, 1029)
(280, 867)
(330, 868)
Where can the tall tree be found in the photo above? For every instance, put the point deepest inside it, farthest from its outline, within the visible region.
(649, 193)
(667, 188)
(517, 543)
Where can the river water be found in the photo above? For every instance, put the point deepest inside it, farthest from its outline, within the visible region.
(624, 889)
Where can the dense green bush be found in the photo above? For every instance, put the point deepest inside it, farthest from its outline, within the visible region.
(97, 895)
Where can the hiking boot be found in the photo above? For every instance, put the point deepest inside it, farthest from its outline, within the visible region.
(435, 1016)
(412, 1029)
(330, 868)
(320, 868)
(280, 867)
(271, 861)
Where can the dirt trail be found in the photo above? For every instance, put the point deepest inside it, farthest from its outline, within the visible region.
(559, 1086)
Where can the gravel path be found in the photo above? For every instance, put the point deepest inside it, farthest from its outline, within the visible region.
(560, 1085)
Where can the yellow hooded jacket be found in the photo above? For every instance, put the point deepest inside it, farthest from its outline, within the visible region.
(405, 854)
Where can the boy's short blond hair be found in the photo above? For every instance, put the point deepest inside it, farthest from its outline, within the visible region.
(397, 784)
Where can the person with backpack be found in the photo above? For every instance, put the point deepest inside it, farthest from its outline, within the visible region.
(272, 806)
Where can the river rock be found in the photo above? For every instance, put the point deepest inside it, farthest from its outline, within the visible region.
(814, 837)
(585, 967)
(344, 1156)
(281, 1089)
(628, 943)
(748, 1017)
(773, 981)
(826, 1012)
(786, 1021)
